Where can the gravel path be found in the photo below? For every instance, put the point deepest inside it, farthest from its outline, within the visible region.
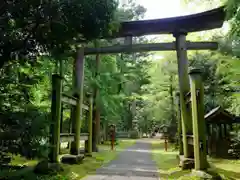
(134, 163)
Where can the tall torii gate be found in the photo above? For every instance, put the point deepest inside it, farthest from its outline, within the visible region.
(192, 137)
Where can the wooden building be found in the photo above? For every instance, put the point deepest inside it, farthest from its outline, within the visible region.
(219, 125)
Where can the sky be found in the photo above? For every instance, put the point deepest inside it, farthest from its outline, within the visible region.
(171, 8)
(157, 9)
(162, 8)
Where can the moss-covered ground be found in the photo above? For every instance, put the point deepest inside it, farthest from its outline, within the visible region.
(71, 172)
(168, 164)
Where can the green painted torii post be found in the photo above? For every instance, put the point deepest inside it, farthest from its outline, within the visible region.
(199, 125)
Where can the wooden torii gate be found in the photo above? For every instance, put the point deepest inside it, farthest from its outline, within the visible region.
(194, 145)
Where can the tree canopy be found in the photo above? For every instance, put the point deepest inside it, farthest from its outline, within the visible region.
(29, 28)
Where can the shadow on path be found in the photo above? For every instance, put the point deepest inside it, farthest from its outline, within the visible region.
(134, 163)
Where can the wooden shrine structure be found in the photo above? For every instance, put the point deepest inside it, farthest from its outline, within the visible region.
(219, 123)
(190, 84)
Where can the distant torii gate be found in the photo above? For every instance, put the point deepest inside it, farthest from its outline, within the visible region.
(192, 132)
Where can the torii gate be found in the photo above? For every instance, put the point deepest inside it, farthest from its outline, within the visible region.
(192, 119)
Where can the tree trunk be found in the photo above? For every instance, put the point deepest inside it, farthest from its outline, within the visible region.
(96, 114)
(94, 137)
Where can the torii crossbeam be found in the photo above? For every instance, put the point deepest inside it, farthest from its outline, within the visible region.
(176, 25)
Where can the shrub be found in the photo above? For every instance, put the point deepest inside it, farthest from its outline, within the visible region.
(134, 134)
(4, 158)
(25, 133)
(122, 134)
(234, 151)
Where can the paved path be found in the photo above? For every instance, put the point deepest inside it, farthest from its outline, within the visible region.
(134, 163)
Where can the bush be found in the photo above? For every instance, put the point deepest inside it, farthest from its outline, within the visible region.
(25, 133)
(122, 134)
(234, 151)
(134, 134)
(4, 158)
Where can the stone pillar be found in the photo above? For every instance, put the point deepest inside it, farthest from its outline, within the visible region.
(184, 88)
(56, 118)
(199, 125)
(78, 84)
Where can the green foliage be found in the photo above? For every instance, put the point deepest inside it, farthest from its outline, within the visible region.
(25, 103)
(159, 104)
(220, 77)
(4, 158)
(29, 133)
(235, 146)
(233, 13)
(37, 27)
(29, 28)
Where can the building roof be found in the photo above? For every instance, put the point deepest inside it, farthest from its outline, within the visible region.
(219, 115)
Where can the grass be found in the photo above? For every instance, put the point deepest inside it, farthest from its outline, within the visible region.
(167, 161)
(15, 166)
(227, 169)
(168, 164)
(18, 160)
(71, 172)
